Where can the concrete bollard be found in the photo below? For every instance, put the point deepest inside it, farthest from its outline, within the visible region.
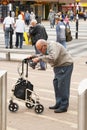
(8, 56)
(3, 99)
(82, 115)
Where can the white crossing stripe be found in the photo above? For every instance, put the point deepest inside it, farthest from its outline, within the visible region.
(10, 128)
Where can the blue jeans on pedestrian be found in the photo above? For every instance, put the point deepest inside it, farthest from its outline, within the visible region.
(19, 39)
(7, 36)
(63, 43)
(62, 85)
(42, 63)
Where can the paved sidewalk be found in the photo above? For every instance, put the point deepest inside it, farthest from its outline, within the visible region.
(26, 119)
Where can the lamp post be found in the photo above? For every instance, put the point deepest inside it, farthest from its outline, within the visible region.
(10, 9)
(77, 17)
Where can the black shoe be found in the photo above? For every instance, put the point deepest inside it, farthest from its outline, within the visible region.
(41, 69)
(59, 110)
(16, 47)
(54, 107)
(86, 62)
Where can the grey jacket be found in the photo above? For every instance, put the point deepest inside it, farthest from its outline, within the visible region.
(57, 55)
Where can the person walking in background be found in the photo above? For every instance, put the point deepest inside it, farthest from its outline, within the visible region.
(71, 14)
(66, 19)
(13, 15)
(61, 61)
(51, 18)
(27, 17)
(37, 31)
(60, 31)
(22, 14)
(32, 16)
(8, 23)
(19, 29)
(85, 15)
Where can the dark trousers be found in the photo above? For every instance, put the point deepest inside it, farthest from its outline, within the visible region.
(19, 39)
(62, 85)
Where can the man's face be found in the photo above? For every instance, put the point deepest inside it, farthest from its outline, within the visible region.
(42, 49)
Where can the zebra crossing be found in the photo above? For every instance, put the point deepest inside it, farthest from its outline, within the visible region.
(77, 47)
(82, 30)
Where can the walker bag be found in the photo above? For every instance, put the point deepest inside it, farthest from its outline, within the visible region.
(20, 89)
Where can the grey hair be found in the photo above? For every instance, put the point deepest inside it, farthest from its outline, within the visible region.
(34, 21)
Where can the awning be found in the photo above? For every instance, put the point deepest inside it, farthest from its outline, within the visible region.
(83, 4)
(60, 1)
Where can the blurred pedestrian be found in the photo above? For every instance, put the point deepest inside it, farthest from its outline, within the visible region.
(37, 31)
(85, 15)
(61, 61)
(8, 24)
(51, 18)
(66, 19)
(13, 15)
(60, 31)
(32, 16)
(22, 14)
(19, 29)
(27, 17)
(71, 13)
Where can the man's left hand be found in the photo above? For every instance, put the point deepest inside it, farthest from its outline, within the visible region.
(35, 60)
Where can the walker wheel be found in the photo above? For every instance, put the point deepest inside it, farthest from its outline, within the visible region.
(13, 107)
(39, 108)
(30, 104)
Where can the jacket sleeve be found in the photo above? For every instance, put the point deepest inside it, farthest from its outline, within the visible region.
(32, 31)
(52, 54)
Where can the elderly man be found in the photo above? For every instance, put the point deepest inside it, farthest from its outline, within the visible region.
(58, 57)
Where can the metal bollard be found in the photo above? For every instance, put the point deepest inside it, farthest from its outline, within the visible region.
(82, 117)
(3, 98)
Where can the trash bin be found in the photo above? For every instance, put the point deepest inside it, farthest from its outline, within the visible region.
(38, 18)
(82, 105)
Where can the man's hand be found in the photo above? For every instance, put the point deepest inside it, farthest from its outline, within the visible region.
(35, 59)
(31, 56)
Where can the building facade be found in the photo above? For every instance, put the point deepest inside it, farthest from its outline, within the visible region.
(40, 7)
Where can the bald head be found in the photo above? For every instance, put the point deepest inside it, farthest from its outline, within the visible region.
(41, 42)
(41, 45)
